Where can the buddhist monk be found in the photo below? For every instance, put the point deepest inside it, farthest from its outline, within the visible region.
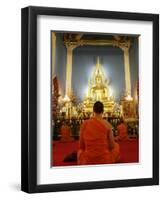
(122, 131)
(96, 144)
(65, 133)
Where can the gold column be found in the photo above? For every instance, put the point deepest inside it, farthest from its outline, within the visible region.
(53, 53)
(127, 71)
(69, 69)
(125, 47)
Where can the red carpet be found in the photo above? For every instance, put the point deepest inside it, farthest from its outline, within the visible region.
(129, 151)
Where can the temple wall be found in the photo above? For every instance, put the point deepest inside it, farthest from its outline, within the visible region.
(112, 59)
(84, 60)
(60, 65)
(134, 63)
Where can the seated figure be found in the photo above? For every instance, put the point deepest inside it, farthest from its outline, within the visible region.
(65, 133)
(97, 145)
(98, 90)
(122, 131)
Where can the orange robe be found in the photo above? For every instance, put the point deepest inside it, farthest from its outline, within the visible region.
(122, 132)
(94, 146)
(65, 133)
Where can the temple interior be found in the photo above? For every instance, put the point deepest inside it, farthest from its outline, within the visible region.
(87, 68)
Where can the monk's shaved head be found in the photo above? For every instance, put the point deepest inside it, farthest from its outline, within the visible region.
(98, 107)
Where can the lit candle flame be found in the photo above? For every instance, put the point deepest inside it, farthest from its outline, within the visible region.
(129, 98)
(66, 98)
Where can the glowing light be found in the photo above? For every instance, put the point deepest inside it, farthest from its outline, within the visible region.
(86, 92)
(111, 92)
(66, 98)
(129, 98)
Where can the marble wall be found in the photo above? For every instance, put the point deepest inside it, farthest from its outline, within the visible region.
(84, 60)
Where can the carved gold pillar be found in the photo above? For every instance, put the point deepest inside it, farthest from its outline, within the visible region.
(125, 47)
(53, 53)
(69, 69)
(127, 71)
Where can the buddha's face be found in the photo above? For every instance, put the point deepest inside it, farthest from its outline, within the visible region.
(98, 80)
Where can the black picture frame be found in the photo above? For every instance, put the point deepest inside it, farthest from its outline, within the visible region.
(29, 99)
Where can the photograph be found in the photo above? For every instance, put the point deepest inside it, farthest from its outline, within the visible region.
(94, 98)
(90, 99)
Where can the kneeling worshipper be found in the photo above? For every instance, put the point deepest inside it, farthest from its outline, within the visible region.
(97, 145)
(65, 133)
(122, 132)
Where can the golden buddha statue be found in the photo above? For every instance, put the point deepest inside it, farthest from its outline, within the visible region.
(98, 91)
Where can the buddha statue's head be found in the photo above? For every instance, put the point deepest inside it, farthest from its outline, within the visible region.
(98, 80)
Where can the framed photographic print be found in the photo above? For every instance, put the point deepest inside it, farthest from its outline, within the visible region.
(90, 99)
